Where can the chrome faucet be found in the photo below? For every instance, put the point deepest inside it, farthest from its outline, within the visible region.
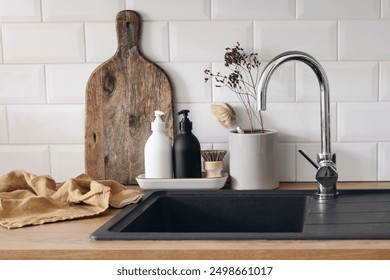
(326, 168)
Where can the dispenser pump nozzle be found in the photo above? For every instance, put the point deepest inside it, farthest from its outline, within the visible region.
(185, 124)
(158, 115)
(158, 124)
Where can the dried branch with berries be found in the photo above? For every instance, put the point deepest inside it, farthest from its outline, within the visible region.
(242, 80)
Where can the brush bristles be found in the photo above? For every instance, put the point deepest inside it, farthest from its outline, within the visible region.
(224, 114)
(213, 155)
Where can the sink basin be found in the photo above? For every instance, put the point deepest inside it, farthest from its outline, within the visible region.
(227, 214)
(196, 213)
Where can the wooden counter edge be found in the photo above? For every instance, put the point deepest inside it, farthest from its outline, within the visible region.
(247, 254)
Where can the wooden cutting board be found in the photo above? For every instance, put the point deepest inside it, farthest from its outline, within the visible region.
(121, 97)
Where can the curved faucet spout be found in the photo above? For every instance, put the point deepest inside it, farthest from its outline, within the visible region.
(325, 158)
(324, 90)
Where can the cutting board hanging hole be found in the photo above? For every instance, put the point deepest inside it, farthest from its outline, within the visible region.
(128, 24)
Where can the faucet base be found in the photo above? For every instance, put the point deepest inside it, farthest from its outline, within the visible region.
(326, 193)
(327, 196)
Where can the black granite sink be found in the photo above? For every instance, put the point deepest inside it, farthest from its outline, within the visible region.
(273, 214)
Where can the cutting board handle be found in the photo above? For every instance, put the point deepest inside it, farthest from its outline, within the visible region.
(128, 30)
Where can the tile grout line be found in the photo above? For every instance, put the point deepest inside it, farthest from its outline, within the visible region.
(85, 43)
(337, 123)
(45, 83)
(253, 36)
(41, 9)
(379, 80)
(49, 154)
(338, 40)
(377, 162)
(1, 44)
(7, 125)
(296, 162)
(295, 82)
(211, 10)
(296, 9)
(169, 41)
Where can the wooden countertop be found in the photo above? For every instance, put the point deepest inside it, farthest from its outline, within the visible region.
(70, 240)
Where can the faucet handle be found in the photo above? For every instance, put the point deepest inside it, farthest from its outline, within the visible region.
(316, 166)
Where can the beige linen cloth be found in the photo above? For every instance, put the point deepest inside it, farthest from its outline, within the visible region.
(28, 199)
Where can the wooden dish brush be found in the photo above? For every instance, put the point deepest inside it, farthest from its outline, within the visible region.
(213, 155)
(213, 163)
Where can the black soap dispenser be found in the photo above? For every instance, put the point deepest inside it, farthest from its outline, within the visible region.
(186, 151)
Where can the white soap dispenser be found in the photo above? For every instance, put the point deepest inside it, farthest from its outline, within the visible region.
(158, 151)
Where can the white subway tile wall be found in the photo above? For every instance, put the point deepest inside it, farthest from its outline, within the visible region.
(171, 9)
(43, 42)
(355, 161)
(80, 10)
(100, 40)
(20, 10)
(22, 84)
(253, 9)
(287, 162)
(364, 40)
(383, 162)
(1, 50)
(189, 85)
(363, 121)
(384, 86)
(340, 9)
(65, 83)
(298, 121)
(155, 34)
(46, 124)
(349, 81)
(31, 158)
(385, 9)
(66, 157)
(318, 38)
(48, 49)
(203, 41)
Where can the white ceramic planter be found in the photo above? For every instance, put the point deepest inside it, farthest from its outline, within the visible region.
(254, 160)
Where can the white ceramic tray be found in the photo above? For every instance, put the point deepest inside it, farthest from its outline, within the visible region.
(182, 184)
